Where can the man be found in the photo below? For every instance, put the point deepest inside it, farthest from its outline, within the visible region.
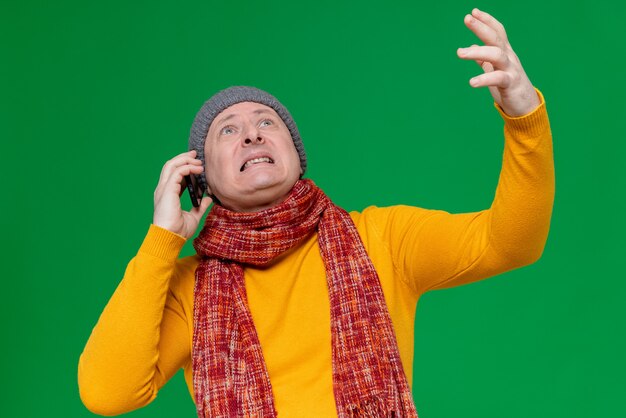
(292, 306)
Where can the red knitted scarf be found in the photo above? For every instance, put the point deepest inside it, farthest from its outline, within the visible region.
(229, 373)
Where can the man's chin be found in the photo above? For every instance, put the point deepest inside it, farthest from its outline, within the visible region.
(260, 195)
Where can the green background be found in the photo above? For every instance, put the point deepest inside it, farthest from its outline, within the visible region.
(96, 96)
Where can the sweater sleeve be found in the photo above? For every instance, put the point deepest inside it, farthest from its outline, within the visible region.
(141, 338)
(434, 249)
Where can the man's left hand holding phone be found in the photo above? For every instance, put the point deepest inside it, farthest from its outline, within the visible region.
(168, 212)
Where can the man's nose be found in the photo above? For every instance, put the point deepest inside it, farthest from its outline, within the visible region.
(252, 136)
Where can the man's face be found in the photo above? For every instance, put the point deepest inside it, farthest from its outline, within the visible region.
(251, 162)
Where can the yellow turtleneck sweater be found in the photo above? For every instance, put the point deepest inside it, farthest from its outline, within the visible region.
(144, 335)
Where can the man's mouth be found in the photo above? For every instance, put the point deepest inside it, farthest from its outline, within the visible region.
(256, 161)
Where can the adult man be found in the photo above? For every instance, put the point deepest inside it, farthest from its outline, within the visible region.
(293, 306)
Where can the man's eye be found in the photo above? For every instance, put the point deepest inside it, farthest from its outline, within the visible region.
(266, 122)
(227, 130)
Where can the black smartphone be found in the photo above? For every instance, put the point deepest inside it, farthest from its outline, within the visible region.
(195, 191)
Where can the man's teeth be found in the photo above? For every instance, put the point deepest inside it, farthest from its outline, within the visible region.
(256, 161)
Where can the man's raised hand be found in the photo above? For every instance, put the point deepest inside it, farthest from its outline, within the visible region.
(503, 72)
(168, 213)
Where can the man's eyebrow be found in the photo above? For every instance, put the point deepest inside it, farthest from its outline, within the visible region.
(262, 111)
(232, 115)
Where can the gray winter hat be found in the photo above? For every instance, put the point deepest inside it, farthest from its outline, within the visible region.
(228, 97)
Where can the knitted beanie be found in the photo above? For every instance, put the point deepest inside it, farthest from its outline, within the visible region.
(228, 97)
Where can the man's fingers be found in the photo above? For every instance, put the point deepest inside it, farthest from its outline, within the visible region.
(177, 176)
(479, 62)
(174, 183)
(496, 78)
(179, 160)
(168, 212)
(484, 32)
(504, 74)
(199, 211)
(481, 30)
(486, 66)
(492, 54)
(492, 22)
(176, 162)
